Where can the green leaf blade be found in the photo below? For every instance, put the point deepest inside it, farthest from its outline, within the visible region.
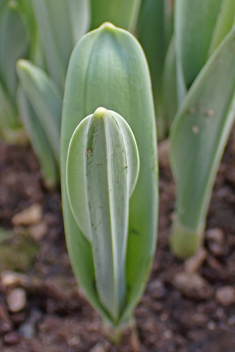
(14, 44)
(224, 23)
(153, 36)
(194, 25)
(107, 142)
(42, 147)
(198, 138)
(46, 100)
(59, 32)
(121, 13)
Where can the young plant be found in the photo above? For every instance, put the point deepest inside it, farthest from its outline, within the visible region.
(198, 137)
(14, 42)
(60, 25)
(108, 68)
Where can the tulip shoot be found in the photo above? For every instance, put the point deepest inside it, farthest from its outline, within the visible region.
(198, 138)
(108, 68)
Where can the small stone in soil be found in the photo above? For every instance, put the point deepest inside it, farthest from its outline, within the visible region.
(99, 348)
(214, 264)
(197, 335)
(38, 231)
(16, 300)
(10, 278)
(211, 325)
(217, 249)
(168, 334)
(12, 338)
(29, 216)
(216, 241)
(27, 330)
(193, 286)
(216, 235)
(225, 295)
(74, 341)
(5, 323)
(195, 262)
(157, 289)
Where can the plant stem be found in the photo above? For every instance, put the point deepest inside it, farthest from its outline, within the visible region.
(184, 242)
(115, 334)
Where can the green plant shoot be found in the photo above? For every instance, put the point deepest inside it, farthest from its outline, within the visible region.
(14, 42)
(108, 68)
(198, 138)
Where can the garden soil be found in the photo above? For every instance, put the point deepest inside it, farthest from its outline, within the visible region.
(187, 307)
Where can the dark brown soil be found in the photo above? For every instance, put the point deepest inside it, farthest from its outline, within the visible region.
(56, 318)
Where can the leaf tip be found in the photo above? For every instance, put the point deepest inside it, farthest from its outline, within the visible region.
(107, 26)
(100, 113)
(21, 63)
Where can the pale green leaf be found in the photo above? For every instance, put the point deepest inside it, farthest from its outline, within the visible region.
(152, 35)
(46, 100)
(170, 87)
(2, 4)
(59, 32)
(224, 23)
(121, 13)
(194, 25)
(39, 140)
(13, 45)
(102, 170)
(198, 137)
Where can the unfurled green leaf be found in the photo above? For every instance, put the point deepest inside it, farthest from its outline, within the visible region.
(170, 86)
(198, 138)
(27, 12)
(8, 112)
(102, 170)
(121, 13)
(224, 23)
(194, 25)
(108, 68)
(13, 45)
(151, 32)
(2, 4)
(10, 127)
(45, 99)
(61, 24)
(39, 140)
